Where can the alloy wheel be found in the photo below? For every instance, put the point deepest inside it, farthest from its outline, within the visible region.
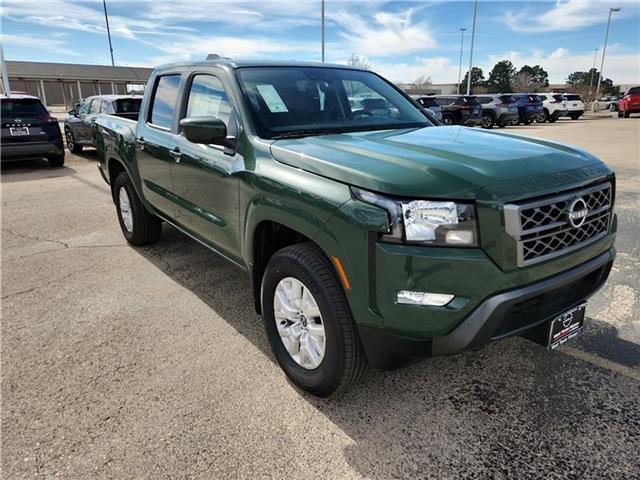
(299, 323)
(125, 209)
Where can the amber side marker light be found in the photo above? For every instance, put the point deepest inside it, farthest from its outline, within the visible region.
(341, 274)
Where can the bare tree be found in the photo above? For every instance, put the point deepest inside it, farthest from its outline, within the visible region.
(360, 62)
(525, 82)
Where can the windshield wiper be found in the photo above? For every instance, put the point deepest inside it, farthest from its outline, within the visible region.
(303, 133)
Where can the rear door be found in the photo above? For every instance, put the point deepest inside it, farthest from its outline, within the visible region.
(204, 178)
(84, 129)
(156, 142)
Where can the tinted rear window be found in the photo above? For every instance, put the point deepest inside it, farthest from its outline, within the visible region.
(635, 90)
(22, 107)
(128, 105)
(558, 98)
(164, 100)
(469, 101)
(507, 99)
(534, 98)
(573, 97)
(428, 102)
(445, 100)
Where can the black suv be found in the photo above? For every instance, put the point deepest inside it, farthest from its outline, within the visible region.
(78, 126)
(460, 110)
(29, 131)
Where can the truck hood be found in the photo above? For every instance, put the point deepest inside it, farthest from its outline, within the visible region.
(437, 162)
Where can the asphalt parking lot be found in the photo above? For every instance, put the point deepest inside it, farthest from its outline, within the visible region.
(122, 362)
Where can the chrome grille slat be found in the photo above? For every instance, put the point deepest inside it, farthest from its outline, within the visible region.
(542, 229)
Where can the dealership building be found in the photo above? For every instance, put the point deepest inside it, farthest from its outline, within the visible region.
(64, 84)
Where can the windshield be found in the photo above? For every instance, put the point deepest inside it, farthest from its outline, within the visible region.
(128, 105)
(23, 107)
(633, 91)
(314, 100)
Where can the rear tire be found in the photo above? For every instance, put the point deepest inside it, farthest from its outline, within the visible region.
(343, 362)
(138, 226)
(56, 160)
(573, 116)
(487, 121)
(71, 142)
(547, 116)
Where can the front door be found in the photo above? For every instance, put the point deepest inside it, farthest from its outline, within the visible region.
(204, 176)
(155, 142)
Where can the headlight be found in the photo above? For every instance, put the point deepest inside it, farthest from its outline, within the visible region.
(426, 222)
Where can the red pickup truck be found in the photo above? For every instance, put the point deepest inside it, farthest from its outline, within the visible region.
(630, 103)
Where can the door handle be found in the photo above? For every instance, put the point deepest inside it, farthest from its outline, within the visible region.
(141, 143)
(176, 155)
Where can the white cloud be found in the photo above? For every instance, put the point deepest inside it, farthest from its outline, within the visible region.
(440, 69)
(619, 67)
(39, 43)
(385, 34)
(566, 15)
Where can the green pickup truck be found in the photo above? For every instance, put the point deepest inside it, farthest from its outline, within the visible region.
(371, 235)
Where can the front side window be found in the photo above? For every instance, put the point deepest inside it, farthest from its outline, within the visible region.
(307, 100)
(207, 98)
(84, 108)
(106, 107)
(95, 106)
(164, 101)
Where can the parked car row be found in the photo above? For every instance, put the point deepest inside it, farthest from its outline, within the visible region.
(502, 109)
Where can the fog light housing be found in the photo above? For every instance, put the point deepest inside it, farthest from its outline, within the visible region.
(424, 298)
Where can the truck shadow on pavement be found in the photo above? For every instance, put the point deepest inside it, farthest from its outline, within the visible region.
(22, 170)
(510, 410)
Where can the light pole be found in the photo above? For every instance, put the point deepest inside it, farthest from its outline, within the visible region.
(462, 30)
(322, 29)
(473, 35)
(593, 70)
(106, 18)
(604, 51)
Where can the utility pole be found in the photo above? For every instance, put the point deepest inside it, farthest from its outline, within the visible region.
(322, 28)
(604, 51)
(462, 30)
(473, 35)
(5, 75)
(593, 71)
(106, 18)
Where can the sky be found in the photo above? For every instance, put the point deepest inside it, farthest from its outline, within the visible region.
(400, 40)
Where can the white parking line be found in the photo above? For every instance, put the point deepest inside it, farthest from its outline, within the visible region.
(602, 362)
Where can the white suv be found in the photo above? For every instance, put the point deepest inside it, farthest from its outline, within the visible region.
(554, 106)
(574, 105)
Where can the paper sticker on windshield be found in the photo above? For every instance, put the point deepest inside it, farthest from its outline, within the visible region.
(271, 98)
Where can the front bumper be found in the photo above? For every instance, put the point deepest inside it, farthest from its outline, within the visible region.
(25, 150)
(510, 312)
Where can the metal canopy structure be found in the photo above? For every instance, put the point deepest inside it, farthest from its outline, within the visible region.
(64, 84)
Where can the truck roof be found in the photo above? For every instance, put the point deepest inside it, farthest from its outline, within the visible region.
(233, 64)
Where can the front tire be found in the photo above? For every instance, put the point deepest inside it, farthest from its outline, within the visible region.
(71, 142)
(138, 226)
(308, 322)
(626, 114)
(448, 120)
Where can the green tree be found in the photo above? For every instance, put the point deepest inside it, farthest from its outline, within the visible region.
(500, 77)
(477, 80)
(537, 76)
(579, 82)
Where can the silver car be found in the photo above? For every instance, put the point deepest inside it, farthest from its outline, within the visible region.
(498, 109)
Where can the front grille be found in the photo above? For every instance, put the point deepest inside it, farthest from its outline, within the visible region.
(543, 229)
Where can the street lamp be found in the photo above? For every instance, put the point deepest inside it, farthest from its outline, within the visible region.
(473, 35)
(593, 70)
(604, 51)
(322, 28)
(462, 30)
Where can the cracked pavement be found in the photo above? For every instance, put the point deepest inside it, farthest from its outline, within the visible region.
(122, 362)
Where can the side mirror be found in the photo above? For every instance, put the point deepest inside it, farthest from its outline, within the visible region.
(73, 112)
(204, 130)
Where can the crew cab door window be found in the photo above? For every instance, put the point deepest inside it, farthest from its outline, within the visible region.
(164, 101)
(106, 107)
(207, 98)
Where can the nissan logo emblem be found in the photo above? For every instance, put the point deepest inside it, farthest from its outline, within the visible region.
(577, 212)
